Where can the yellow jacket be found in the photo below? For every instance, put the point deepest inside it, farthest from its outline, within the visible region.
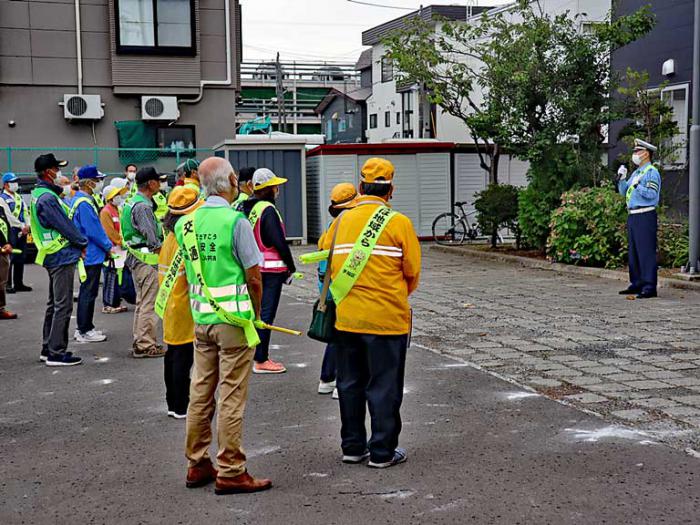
(378, 303)
(178, 326)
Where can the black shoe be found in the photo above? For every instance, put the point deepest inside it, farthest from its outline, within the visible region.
(646, 295)
(629, 291)
(23, 288)
(9, 289)
(67, 359)
(44, 356)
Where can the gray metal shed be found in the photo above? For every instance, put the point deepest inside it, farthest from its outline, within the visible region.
(422, 179)
(286, 156)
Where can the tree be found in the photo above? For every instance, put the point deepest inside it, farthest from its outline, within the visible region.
(521, 80)
(650, 118)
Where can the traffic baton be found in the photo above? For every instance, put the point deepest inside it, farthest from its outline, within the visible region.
(264, 326)
(82, 274)
(16, 252)
(314, 257)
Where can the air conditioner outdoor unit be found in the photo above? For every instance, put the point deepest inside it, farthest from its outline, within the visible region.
(159, 108)
(85, 107)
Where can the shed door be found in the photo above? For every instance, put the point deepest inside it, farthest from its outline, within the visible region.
(287, 164)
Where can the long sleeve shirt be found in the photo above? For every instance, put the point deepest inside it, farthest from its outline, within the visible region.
(20, 217)
(108, 214)
(645, 186)
(51, 215)
(144, 220)
(8, 208)
(88, 222)
(271, 232)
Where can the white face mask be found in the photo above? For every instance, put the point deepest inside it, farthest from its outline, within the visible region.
(58, 175)
(14, 186)
(98, 186)
(637, 159)
(65, 190)
(164, 186)
(118, 201)
(130, 175)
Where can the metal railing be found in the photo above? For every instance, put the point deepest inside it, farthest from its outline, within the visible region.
(325, 74)
(110, 161)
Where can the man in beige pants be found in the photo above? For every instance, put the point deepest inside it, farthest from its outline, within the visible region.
(222, 265)
(143, 237)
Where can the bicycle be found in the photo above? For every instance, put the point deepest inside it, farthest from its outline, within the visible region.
(451, 229)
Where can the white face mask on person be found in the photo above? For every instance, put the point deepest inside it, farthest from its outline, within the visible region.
(14, 186)
(131, 175)
(637, 159)
(98, 186)
(164, 186)
(118, 201)
(65, 190)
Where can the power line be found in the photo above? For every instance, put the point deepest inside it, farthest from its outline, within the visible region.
(382, 5)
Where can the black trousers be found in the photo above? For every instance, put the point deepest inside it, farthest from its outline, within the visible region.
(272, 292)
(329, 364)
(87, 296)
(16, 277)
(176, 371)
(58, 310)
(641, 233)
(370, 373)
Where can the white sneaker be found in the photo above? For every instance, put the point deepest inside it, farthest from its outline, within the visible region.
(171, 413)
(326, 388)
(91, 337)
(335, 394)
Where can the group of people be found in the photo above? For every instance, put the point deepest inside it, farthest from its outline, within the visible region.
(210, 257)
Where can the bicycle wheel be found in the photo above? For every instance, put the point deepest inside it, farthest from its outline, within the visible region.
(449, 229)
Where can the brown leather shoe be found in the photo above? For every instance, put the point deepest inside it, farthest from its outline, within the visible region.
(243, 483)
(201, 474)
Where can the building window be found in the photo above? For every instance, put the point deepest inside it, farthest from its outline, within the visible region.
(373, 121)
(387, 69)
(176, 139)
(398, 117)
(157, 27)
(387, 119)
(677, 98)
(407, 107)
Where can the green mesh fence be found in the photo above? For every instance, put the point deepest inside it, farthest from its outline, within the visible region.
(110, 161)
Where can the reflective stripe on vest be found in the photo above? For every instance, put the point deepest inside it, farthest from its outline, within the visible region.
(213, 250)
(272, 261)
(161, 205)
(48, 241)
(635, 180)
(18, 205)
(78, 202)
(361, 251)
(166, 287)
(4, 231)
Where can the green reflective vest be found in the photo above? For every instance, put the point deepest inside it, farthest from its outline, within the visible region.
(133, 239)
(18, 205)
(161, 205)
(242, 197)
(78, 202)
(220, 271)
(4, 231)
(47, 240)
(99, 202)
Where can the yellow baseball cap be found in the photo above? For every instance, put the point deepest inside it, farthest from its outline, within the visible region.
(343, 195)
(264, 178)
(183, 200)
(378, 171)
(112, 191)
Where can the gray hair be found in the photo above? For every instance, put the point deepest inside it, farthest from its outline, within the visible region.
(214, 175)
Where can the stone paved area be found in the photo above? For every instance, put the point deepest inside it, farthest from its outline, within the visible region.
(573, 339)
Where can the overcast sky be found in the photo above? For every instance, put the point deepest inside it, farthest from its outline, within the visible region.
(307, 30)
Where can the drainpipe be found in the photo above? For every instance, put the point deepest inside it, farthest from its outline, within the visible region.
(694, 165)
(78, 47)
(227, 82)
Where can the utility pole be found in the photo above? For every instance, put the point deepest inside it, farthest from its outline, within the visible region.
(694, 165)
(280, 96)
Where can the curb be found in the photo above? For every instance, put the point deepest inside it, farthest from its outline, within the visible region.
(664, 282)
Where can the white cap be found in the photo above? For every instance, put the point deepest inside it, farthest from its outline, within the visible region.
(107, 190)
(264, 178)
(118, 182)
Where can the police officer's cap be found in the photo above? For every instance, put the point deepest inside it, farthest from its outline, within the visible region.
(641, 144)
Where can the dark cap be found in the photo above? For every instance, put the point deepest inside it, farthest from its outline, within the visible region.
(246, 174)
(48, 161)
(147, 174)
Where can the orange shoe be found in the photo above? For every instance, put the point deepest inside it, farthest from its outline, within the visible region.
(268, 367)
(6, 314)
(200, 475)
(242, 484)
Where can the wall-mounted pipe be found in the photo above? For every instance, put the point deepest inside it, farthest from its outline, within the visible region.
(78, 47)
(227, 82)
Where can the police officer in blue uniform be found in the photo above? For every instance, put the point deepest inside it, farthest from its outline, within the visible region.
(641, 192)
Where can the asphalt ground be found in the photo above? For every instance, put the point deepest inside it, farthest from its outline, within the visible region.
(92, 444)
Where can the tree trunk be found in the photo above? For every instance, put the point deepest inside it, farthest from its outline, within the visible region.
(493, 168)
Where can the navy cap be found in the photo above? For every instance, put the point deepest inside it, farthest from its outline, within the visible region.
(147, 174)
(89, 172)
(48, 161)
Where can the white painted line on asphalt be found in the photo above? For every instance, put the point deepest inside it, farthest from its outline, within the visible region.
(278, 347)
(101, 359)
(262, 451)
(300, 365)
(514, 396)
(609, 432)
(317, 474)
(103, 382)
